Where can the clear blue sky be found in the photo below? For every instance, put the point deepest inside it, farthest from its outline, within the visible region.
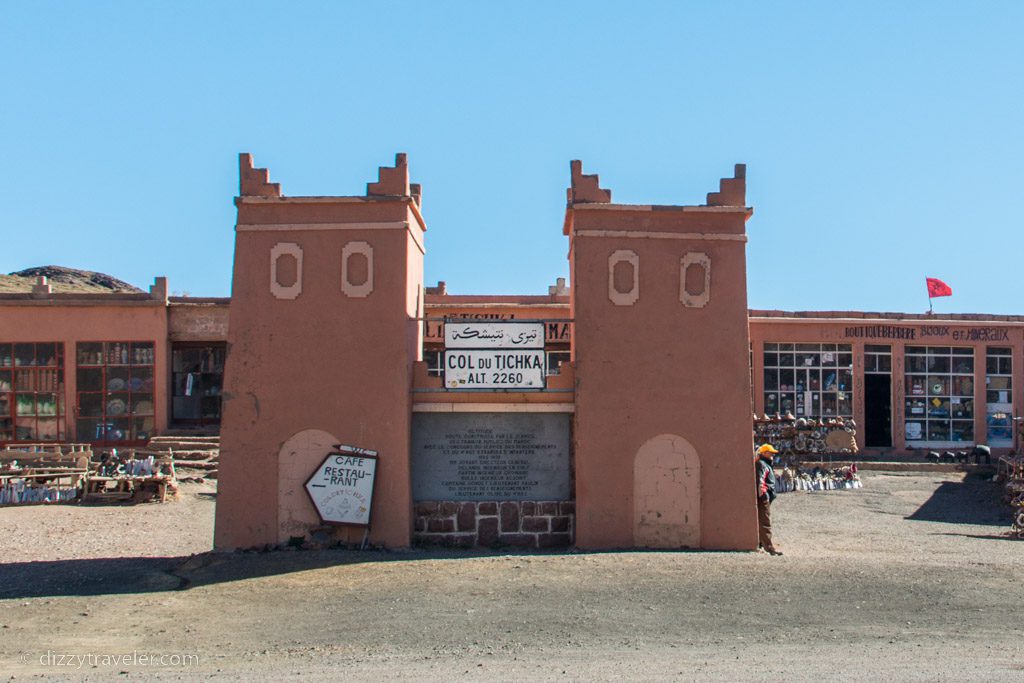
(883, 140)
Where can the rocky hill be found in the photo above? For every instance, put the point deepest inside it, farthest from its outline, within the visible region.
(64, 280)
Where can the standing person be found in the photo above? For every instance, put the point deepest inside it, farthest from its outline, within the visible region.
(765, 496)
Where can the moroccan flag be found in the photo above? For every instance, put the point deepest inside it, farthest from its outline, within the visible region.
(937, 288)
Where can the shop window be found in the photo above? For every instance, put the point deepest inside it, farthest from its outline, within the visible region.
(999, 396)
(554, 359)
(197, 380)
(877, 359)
(115, 392)
(808, 380)
(939, 403)
(32, 392)
(435, 362)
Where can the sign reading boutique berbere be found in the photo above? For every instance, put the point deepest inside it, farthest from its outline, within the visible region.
(341, 488)
(493, 355)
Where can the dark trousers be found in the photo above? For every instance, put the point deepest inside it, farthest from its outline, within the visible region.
(764, 524)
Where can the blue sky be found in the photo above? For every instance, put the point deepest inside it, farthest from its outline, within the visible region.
(883, 140)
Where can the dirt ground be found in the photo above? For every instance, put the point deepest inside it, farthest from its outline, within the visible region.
(910, 578)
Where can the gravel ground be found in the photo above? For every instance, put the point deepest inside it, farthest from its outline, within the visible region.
(910, 578)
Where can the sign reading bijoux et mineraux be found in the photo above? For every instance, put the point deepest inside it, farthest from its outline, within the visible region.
(490, 456)
(493, 355)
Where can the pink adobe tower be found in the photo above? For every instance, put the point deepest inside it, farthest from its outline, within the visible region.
(663, 444)
(322, 337)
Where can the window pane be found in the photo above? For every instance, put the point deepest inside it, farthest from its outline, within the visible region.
(916, 364)
(938, 386)
(90, 353)
(25, 354)
(963, 430)
(938, 430)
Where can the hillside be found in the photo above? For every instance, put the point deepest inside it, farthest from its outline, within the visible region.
(64, 280)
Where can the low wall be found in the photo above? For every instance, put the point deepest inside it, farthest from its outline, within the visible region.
(470, 524)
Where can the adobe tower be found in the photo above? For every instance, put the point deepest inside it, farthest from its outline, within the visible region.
(663, 447)
(322, 339)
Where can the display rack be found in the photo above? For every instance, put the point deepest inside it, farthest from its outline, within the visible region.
(135, 476)
(38, 474)
(820, 437)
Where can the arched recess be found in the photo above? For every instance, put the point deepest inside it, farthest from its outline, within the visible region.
(298, 457)
(666, 494)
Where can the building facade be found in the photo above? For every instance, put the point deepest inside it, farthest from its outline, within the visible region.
(911, 381)
(653, 366)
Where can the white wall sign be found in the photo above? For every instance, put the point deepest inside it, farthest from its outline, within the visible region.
(493, 335)
(494, 368)
(341, 488)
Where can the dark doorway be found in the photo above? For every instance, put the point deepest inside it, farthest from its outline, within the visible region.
(878, 411)
(197, 376)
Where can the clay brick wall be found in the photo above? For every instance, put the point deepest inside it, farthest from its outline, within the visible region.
(488, 524)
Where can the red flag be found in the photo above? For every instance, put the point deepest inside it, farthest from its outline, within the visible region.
(937, 288)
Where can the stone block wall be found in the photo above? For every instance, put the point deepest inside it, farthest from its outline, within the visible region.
(489, 524)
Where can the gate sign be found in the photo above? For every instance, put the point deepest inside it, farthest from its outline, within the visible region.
(342, 487)
(493, 355)
(494, 369)
(493, 335)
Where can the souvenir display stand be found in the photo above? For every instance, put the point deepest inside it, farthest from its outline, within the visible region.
(1010, 471)
(793, 436)
(35, 474)
(136, 477)
(818, 479)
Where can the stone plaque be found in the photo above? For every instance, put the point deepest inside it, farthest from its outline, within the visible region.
(490, 456)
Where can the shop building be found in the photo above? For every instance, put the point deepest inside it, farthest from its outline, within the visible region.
(911, 381)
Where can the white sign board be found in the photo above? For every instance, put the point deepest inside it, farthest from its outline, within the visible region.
(342, 487)
(494, 368)
(493, 335)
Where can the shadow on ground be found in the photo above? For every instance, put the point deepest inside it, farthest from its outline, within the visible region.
(974, 500)
(123, 575)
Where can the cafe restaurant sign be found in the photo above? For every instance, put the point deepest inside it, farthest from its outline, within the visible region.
(493, 355)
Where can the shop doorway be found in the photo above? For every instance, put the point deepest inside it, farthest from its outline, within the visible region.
(197, 377)
(878, 411)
